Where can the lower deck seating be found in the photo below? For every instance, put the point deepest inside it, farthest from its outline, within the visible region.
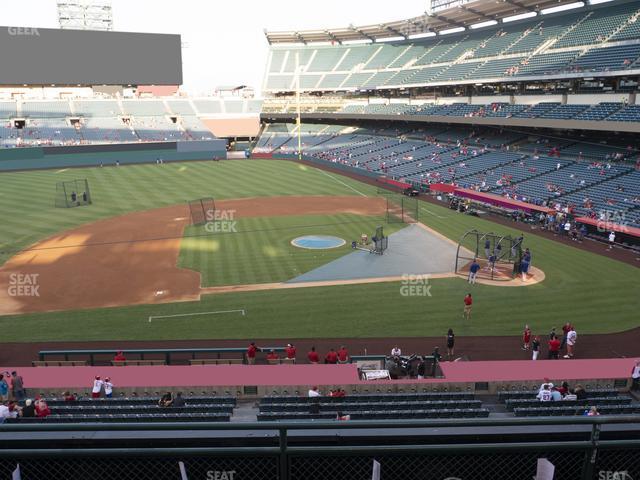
(377, 414)
(136, 409)
(373, 406)
(593, 392)
(575, 410)
(175, 416)
(512, 404)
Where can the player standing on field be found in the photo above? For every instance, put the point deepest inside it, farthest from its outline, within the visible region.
(468, 302)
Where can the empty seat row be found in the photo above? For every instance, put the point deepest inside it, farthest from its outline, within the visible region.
(127, 409)
(356, 406)
(140, 401)
(597, 392)
(572, 411)
(132, 418)
(378, 414)
(360, 398)
(597, 401)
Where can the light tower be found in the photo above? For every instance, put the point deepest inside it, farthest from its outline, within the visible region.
(85, 15)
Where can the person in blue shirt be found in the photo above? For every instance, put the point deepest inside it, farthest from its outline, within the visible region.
(492, 263)
(487, 248)
(473, 271)
(4, 389)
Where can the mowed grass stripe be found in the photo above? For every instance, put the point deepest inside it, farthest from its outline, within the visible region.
(261, 251)
(29, 215)
(597, 294)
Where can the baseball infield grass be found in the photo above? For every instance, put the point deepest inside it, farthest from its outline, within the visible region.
(597, 294)
(260, 250)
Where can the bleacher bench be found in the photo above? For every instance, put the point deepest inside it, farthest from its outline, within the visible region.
(137, 363)
(59, 363)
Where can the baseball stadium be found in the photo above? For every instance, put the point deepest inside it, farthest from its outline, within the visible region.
(412, 252)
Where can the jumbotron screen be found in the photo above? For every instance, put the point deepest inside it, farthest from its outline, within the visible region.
(42, 56)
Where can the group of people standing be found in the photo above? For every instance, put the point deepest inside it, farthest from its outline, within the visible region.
(554, 344)
(333, 356)
(99, 385)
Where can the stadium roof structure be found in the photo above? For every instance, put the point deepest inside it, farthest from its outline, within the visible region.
(464, 15)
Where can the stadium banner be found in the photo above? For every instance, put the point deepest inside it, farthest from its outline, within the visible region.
(395, 183)
(442, 187)
(500, 201)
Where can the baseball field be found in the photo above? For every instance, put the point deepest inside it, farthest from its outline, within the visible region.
(135, 247)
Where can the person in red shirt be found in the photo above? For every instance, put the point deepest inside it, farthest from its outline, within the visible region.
(119, 357)
(331, 357)
(343, 354)
(273, 357)
(42, 409)
(291, 352)
(251, 353)
(313, 356)
(338, 392)
(554, 348)
(468, 301)
(526, 338)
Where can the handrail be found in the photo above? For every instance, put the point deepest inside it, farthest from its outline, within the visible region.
(326, 425)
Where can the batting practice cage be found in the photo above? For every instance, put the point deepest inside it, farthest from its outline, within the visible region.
(400, 208)
(499, 256)
(202, 210)
(73, 193)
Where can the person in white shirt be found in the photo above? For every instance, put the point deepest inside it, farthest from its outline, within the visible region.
(571, 342)
(97, 387)
(635, 376)
(8, 411)
(395, 351)
(546, 383)
(612, 239)
(545, 394)
(313, 392)
(108, 388)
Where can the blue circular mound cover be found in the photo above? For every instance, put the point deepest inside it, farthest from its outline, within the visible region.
(318, 242)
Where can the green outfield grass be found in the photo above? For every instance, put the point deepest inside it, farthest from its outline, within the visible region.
(28, 213)
(260, 251)
(597, 294)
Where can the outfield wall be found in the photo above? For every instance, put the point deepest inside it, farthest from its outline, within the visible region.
(94, 155)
